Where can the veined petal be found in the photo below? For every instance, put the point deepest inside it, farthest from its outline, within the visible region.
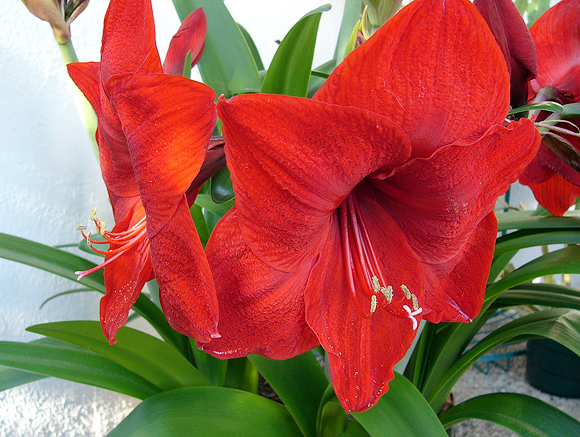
(455, 289)
(362, 351)
(189, 38)
(186, 289)
(557, 38)
(261, 308)
(514, 39)
(440, 60)
(293, 161)
(129, 39)
(126, 276)
(556, 194)
(168, 121)
(438, 204)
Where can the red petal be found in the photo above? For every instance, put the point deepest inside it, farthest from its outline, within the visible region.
(186, 287)
(455, 289)
(515, 41)
(168, 121)
(362, 351)
(556, 194)
(557, 43)
(189, 38)
(129, 39)
(261, 308)
(126, 275)
(293, 161)
(86, 76)
(444, 67)
(438, 203)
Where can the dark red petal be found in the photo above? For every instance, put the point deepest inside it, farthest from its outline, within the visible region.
(362, 352)
(261, 308)
(293, 161)
(126, 275)
(189, 38)
(186, 289)
(514, 39)
(454, 290)
(438, 201)
(557, 38)
(440, 60)
(168, 121)
(556, 194)
(129, 39)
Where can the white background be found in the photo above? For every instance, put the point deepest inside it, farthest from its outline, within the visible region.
(50, 181)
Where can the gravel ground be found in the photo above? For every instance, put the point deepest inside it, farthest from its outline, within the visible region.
(504, 375)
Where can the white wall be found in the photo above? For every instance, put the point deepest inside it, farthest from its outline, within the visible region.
(50, 182)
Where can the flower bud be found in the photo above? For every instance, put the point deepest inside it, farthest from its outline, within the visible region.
(59, 13)
(381, 10)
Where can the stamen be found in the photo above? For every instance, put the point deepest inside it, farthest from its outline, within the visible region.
(415, 302)
(406, 291)
(376, 285)
(388, 292)
(373, 303)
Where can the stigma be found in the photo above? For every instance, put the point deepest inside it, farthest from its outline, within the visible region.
(364, 274)
(119, 242)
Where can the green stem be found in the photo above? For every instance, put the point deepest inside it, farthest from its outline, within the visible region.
(88, 116)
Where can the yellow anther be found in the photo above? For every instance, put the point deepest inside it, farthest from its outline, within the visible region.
(406, 291)
(376, 285)
(415, 302)
(388, 292)
(373, 303)
(81, 228)
(93, 212)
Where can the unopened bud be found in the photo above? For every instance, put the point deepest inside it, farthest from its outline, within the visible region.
(59, 13)
(380, 11)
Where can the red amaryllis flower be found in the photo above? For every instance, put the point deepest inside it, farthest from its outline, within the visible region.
(514, 40)
(557, 37)
(153, 134)
(369, 207)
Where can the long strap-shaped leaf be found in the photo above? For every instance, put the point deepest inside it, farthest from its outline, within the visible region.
(300, 383)
(520, 413)
(65, 264)
(558, 324)
(75, 365)
(141, 353)
(207, 411)
(289, 71)
(401, 411)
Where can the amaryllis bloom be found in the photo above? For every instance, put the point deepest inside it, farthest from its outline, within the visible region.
(153, 134)
(515, 42)
(370, 207)
(557, 37)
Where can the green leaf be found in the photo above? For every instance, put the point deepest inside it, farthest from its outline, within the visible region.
(252, 47)
(207, 411)
(289, 71)
(210, 367)
(141, 353)
(552, 295)
(222, 189)
(200, 224)
(571, 110)
(227, 64)
(539, 106)
(10, 378)
(301, 398)
(64, 293)
(219, 209)
(319, 76)
(65, 264)
(536, 237)
(561, 325)
(526, 220)
(565, 260)
(352, 13)
(75, 365)
(404, 409)
(524, 415)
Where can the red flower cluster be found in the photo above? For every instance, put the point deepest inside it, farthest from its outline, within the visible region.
(358, 212)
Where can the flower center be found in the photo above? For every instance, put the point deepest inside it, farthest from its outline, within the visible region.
(364, 274)
(119, 242)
